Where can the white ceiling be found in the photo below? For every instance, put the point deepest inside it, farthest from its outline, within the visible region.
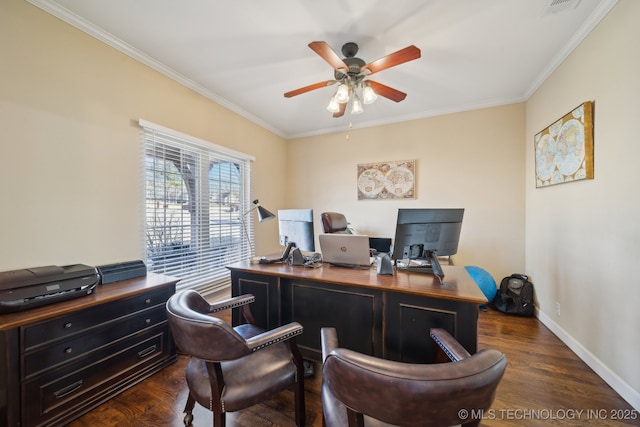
(244, 54)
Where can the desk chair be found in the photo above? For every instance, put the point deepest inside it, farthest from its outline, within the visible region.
(365, 391)
(334, 222)
(233, 368)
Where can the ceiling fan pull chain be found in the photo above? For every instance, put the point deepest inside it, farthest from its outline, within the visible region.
(346, 136)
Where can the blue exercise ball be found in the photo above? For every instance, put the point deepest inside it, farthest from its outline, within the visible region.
(483, 279)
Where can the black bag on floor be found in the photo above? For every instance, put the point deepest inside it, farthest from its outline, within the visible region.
(515, 295)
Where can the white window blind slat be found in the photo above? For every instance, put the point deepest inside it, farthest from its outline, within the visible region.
(195, 196)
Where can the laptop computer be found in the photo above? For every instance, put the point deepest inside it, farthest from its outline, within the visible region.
(345, 250)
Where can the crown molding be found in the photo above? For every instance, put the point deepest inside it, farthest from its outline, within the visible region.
(100, 34)
(598, 14)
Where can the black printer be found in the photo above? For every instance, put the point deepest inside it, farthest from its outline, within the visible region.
(33, 287)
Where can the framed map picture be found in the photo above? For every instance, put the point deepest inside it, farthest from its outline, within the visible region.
(387, 180)
(564, 150)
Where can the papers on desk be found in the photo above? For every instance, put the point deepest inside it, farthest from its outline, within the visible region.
(403, 263)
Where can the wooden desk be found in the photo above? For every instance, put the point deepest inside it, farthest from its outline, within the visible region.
(385, 316)
(58, 361)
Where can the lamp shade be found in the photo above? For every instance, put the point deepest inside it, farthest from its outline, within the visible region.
(264, 214)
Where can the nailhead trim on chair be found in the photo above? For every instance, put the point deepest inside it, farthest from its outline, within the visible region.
(280, 338)
(235, 304)
(445, 349)
(221, 404)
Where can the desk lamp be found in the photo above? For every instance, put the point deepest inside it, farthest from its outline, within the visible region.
(263, 215)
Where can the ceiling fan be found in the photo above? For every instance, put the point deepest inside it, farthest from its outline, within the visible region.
(351, 74)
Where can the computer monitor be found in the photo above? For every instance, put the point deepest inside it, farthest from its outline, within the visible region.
(296, 225)
(426, 234)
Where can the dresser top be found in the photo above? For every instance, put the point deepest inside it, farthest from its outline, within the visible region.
(102, 294)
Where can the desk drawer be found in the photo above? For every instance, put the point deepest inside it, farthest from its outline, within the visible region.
(88, 382)
(63, 326)
(63, 351)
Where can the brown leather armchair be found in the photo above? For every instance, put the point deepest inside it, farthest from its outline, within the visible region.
(334, 222)
(233, 368)
(360, 390)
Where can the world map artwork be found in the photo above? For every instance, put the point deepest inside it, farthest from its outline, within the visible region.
(387, 180)
(564, 150)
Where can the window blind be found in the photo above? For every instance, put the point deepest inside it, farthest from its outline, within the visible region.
(196, 197)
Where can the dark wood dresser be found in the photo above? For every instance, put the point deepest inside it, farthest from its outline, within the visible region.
(59, 361)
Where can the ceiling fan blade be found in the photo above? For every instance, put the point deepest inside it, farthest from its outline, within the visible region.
(407, 54)
(309, 88)
(387, 92)
(329, 55)
(340, 113)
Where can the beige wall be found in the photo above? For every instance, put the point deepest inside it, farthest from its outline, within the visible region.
(583, 237)
(70, 183)
(471, 160)
(70, 180)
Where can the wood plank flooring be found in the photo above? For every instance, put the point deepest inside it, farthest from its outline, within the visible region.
(545, 384)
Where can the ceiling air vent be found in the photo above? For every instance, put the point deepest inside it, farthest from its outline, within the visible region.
(555, 6)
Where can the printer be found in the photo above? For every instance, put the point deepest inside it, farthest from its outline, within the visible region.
(33, 287)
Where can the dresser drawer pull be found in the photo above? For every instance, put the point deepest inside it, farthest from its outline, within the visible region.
(147, 351)
(68, 325)
(67, 390)
(68, 350)
(147, 321)
(147, 301)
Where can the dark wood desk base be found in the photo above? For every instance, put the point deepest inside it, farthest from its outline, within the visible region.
(385, 316)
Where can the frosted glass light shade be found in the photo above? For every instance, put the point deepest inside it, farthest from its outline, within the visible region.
(334, 105)
(368, 95)
(342, 95)
(356, 107)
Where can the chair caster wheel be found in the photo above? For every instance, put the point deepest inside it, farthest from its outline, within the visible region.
(188, 419)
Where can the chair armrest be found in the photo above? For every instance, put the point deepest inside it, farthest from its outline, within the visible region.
(279, 334)
(329, 338)
(449, 345)
(233, 302)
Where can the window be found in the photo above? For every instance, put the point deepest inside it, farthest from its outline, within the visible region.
(195, 195)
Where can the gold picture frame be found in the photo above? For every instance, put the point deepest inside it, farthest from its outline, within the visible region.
(387, 180)
(564, 150)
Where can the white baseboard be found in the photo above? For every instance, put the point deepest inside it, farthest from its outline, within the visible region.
(625, 391)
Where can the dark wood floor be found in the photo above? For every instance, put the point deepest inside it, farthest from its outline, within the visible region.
(545, 384)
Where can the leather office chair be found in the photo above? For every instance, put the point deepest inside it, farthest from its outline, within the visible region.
(233, 368)
(334, 222)
(361, 390)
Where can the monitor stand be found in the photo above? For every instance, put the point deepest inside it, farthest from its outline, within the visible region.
(283, 258)
(435, 265)
(432, 267)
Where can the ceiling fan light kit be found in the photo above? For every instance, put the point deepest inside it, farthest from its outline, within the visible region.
(348, 92)
(351, 74)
